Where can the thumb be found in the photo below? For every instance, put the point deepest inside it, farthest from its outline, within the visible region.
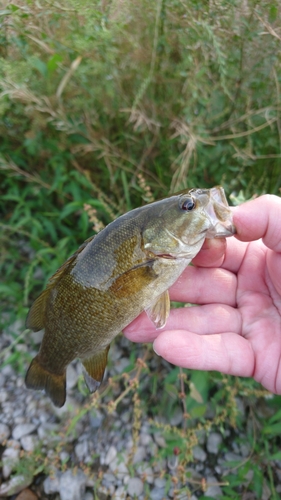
(260, 218)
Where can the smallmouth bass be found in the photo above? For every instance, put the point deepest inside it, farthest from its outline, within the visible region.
(115, 275)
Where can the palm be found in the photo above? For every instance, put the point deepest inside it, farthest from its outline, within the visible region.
(237, 329)
(259, 310)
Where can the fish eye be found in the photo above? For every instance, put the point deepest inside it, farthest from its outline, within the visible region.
(188, 204)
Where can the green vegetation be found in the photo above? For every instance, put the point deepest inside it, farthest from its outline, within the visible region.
(108, 105)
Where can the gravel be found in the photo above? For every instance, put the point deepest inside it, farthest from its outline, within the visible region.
(135, 487)
(4, 433)
(72, 486)
(110, 455)
(214, 441)
(99, 452)
(22, 430)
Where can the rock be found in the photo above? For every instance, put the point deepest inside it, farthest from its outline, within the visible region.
(44, 416)
(177, 417)
(23, 430)
(108, 479)
(104, 493)
(157, 494)
(140, 455)
(121, 364)
(96, 418)
(81, 450)
(64, 456)
(126, 479)
(8, 371)
(245, 449)
(37, 337)
(129, 443)
(88, 496)
(181, 495)
(120, 493)
(19, 420)
(3, 396)
(199, 454)
(2, 378)
(145, 439)
(232, 457)
(153, 449)
(10, 458)
(52, 483)
(160, 482)
(15, 328)
(71, 377)
(213, 489)
(214, 441)
(135, 487)
(15, 485)
(28, 443)
(27, 494)
(266, 492)
(160, 441)
(48, 432)
(160, 465)
(72, 486)
(118, 468)
(126, 416)
(147, 473)
(4, 433)
(111, 454)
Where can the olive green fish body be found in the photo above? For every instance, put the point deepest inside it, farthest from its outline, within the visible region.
(113, 277)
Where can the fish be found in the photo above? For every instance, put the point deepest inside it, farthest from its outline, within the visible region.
(123, 270)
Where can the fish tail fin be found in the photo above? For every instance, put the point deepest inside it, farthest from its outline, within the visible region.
(37, 377)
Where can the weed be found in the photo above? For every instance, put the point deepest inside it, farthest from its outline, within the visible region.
(105, 108)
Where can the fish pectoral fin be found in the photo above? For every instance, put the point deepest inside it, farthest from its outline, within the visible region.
(94, 368)
(39, 378)
(139, 276)
(159, 310)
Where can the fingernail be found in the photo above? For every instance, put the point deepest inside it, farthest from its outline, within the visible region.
(155, 349)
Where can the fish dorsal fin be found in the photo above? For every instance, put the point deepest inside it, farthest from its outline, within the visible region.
(36, 316)
(61, 270)
(94, 368)
(159, 310)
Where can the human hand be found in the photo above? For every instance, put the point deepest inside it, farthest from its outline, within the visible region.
(237, 328)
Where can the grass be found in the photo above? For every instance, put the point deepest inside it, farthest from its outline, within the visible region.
(106, 106)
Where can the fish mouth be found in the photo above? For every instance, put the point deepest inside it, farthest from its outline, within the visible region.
(219, 215)
(222, 230)
(166, 256)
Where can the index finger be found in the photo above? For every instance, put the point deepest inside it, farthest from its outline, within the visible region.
(260, 218)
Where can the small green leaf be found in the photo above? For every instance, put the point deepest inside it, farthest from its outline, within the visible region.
(53, 62)
(71, 207)
(39, 65)
(5, 12)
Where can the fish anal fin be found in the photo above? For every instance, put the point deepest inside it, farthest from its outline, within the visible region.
(159, 310)
(94, 368)
(38, 378)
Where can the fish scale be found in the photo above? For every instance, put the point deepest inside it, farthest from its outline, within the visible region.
(114, 276)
